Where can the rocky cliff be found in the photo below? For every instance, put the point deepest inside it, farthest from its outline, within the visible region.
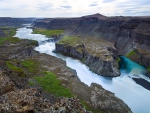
(125, 33)
(15, 22)
(102, 64)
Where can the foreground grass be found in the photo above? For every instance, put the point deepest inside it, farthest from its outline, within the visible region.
(31, 65)
(23, 67)
(11, 65)
(51, 84)
(87, 107)
(48, 33)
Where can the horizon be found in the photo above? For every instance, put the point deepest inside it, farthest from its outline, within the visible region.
(70, 8)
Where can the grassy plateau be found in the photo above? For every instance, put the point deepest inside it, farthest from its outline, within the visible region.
(48, 33)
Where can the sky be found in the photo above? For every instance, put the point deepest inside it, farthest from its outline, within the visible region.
(73, 8)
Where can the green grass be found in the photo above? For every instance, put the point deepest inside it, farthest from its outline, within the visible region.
(5, 40)
(48, 33)
(118, 59)
(8, 31)
(90, 108)
(132, 53)
(23, 67)
(30, 65)
(51, 84)
(148, 69)
(73, 40)
(11, 66)
(31, 83)
(83, 59)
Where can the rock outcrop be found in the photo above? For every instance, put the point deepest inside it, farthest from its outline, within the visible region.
(98, 98)
(106, 66)
(15, 22)
(5, 84)
(16, 50)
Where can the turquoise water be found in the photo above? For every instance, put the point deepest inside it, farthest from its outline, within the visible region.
(131, 67)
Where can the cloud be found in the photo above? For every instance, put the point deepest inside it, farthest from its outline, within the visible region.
(92, 5)
(67, 7)
(41, 6)
(106, 1)
(58, 8)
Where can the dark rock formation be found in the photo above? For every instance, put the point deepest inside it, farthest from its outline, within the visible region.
(23, 48)
(5, 84)
(15, 22)
(98, 98)
(1, 33)
(96, 64)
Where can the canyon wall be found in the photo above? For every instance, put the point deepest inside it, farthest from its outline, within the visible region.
(125, 33)
(15, 22)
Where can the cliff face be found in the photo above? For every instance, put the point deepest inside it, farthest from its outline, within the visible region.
(125, 33)
(15, 22)
(101, 66)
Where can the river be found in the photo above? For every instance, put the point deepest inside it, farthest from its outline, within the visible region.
(124, 87)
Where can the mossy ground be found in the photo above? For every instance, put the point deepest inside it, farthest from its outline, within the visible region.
(5, 40)
(118, 59)
(47, 80)
(87, 107)
(31, 65)
(70, 40)
(132, 53)
(148, 69)
(23, 68)
(48, 33)
(8, 32)
(31, 83)
(94, 46)
(51, 84)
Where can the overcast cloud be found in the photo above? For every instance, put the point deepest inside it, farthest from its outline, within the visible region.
(73, 8)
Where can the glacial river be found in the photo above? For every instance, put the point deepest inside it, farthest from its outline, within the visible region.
(134, 95)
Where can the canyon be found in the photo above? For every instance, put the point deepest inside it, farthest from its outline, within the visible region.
(100, 39)
(96, 40)
(22, 68)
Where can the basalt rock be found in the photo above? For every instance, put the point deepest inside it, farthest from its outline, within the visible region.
(98, 98)
(141, 56)
(6, 85)
(101, 66)
(20, 49)
(15, 22)
(1, 33)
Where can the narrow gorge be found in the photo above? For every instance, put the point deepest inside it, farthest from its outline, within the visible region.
(103, 37)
